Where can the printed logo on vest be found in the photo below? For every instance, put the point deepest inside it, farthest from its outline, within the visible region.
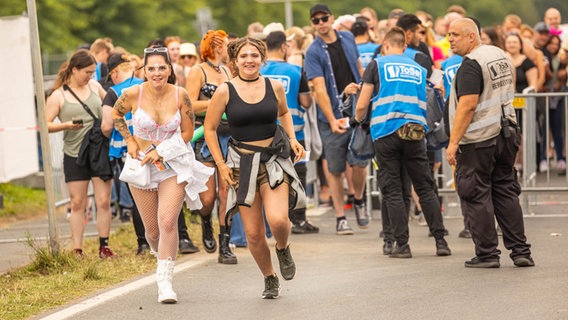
(284, 80)
(499, 69)
(450, 72)
(366, 58)
(403, 72)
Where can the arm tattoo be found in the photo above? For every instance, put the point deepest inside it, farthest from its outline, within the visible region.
(120, 123)
(189, 113)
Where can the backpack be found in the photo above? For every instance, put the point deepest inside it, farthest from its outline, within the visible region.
(436, 137)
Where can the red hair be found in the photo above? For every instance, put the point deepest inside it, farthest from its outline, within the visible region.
(210, 40)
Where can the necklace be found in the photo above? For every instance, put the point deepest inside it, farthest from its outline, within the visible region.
(216, 68)
(248, 80)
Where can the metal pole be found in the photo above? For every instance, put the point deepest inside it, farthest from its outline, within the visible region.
(44, 138)
(288, 11)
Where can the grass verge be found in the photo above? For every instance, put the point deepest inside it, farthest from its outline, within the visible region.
(21, 203)
(51, 281)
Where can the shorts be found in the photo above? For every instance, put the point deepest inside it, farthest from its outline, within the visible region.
(336, 148)
(261, 177)
(75, 172)
(156, 177)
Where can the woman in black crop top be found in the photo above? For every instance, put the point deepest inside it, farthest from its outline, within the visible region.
(205, 78)
(253, 104)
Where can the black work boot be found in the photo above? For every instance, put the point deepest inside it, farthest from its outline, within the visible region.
(225, 254)
(207, 237)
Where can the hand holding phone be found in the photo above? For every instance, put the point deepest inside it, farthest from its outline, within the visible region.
(77, 121)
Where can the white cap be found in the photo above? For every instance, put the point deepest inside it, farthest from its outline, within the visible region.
(187, 49)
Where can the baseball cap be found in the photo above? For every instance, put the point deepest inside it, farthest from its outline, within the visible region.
(541, 27)
(359, 27)
(187, 49)
(114, 61)
(319, 8)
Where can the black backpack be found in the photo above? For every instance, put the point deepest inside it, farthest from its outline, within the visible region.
(436, 137)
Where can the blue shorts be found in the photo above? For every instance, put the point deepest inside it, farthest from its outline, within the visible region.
(336, 149)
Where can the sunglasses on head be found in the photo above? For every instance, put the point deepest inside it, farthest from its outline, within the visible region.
(324, 19)
(157, 49)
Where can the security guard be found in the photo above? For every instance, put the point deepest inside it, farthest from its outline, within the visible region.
(398, 125)
(483, 144)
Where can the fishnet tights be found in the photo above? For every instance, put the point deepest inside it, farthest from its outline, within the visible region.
(159, 210)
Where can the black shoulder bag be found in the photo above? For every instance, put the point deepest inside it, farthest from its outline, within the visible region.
(95, 146)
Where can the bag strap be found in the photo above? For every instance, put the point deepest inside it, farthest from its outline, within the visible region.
(66, 87)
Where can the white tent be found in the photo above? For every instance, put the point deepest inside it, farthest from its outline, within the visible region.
(18, 126)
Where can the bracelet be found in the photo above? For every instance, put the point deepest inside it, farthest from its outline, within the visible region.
(293, 138)
(150, 148)
(218, 162)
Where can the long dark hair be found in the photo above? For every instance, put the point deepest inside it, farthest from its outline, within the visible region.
(80, 59)
(172, 77)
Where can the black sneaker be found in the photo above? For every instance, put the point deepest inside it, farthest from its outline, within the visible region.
(362, 215)
(446, 233)
(287, 265)
(387, 248)
(142, 249)
(187, 247)
(482, 263)
(465, 234)
(442, 248)
(271, 287)
(401, 252)
(343, 228)
(207, 236)
(523, 261)
(304, 227)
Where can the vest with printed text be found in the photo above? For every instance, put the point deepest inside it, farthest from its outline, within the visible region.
(496, 98)
(289, 76)
(117, 145)
(450, 66)
(402, 95)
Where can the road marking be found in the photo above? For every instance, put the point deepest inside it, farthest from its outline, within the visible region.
(85, 305)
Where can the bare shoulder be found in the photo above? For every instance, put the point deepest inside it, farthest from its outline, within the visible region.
(276, 85)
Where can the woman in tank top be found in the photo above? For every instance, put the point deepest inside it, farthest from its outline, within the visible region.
(206, 77)
(253, 104)
(75, 122)
(161, 111)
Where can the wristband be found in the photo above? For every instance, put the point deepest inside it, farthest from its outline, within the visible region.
(292, 138)
(218, 162)
(150, 148)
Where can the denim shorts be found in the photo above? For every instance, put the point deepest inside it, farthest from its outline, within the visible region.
(336, 149)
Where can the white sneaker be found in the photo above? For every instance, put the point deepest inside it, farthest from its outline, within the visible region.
(543, 167)
(561, 165)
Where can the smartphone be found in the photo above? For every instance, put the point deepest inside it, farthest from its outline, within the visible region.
(77, 121)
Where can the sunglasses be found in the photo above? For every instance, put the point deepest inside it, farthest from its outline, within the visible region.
(157, 49)
(324, 19)
(187, 56)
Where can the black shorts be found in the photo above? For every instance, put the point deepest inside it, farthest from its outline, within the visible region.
(75, 172)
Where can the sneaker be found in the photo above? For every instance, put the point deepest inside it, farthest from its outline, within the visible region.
(343, 228)
(401, 252)
(106, 253)
(349, 203)
(523, 262)
(465, 234)
(442, 248)
(271, 287)
(187, 247)
(561, 165)
(362, 216)
(543, 166)
(304, 227)
(480, 263)
(387, 248)
(287, 265)
(142, 249)
(125, 215)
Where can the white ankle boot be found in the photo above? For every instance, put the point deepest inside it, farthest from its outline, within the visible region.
(164, 274)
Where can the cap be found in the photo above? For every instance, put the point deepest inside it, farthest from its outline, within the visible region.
(319, 8)
(541, 27)
(187, 49)
(273, 26)
(114, 60)
(359, 28)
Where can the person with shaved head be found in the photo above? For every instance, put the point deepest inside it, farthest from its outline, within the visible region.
(484, 140)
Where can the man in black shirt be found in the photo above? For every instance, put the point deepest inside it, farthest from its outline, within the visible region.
(484, 141)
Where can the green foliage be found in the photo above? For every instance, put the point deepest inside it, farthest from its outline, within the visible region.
(65, 24)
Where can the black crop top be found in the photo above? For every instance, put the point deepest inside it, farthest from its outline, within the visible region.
(252, 122)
